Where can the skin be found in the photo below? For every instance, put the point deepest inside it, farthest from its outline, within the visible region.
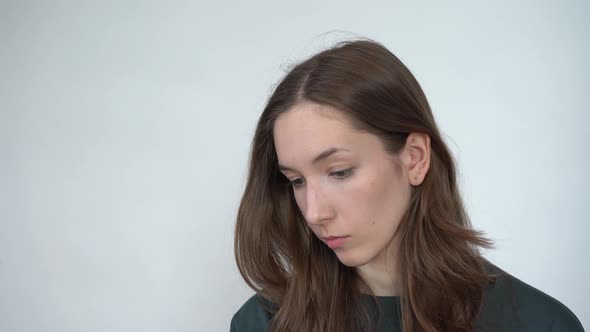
(361, 193)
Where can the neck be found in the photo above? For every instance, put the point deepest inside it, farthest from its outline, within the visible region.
(381, 274)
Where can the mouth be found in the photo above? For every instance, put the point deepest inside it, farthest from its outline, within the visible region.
(334, 241)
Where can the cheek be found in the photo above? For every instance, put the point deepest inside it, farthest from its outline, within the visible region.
(362, 200)
(379, 202)
(298, 200)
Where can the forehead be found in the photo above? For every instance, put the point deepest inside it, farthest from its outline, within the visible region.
(308, 128)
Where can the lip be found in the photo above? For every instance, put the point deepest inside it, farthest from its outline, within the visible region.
(334, 241)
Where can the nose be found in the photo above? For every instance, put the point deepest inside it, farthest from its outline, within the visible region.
(317, 207)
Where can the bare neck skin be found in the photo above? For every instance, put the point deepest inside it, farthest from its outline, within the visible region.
(381, 274)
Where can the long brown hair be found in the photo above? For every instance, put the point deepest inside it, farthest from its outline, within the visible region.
(443, 273)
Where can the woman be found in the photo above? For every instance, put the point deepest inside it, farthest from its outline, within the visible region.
(351, 219)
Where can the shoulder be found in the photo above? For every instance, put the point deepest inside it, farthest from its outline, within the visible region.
(253, 315)
(518, 306)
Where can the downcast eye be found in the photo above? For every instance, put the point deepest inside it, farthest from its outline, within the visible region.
(295, 182)
(342, 174)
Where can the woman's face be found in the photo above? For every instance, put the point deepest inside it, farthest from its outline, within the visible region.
(355, 190)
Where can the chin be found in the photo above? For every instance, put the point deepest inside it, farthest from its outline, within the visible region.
(351, 260)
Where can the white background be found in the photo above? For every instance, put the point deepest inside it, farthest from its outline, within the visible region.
(125, 131)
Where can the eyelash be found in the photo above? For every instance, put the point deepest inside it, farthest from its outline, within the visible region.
(347, 173)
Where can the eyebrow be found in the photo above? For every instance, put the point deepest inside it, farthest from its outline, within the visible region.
(323, 155)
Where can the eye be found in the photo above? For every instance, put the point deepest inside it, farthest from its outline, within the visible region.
(295, 182)
(298, 182)
(343, 173)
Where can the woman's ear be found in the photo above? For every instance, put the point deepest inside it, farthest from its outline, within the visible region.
(416, 157)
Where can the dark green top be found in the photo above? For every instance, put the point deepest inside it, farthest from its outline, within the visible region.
(509, 305)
